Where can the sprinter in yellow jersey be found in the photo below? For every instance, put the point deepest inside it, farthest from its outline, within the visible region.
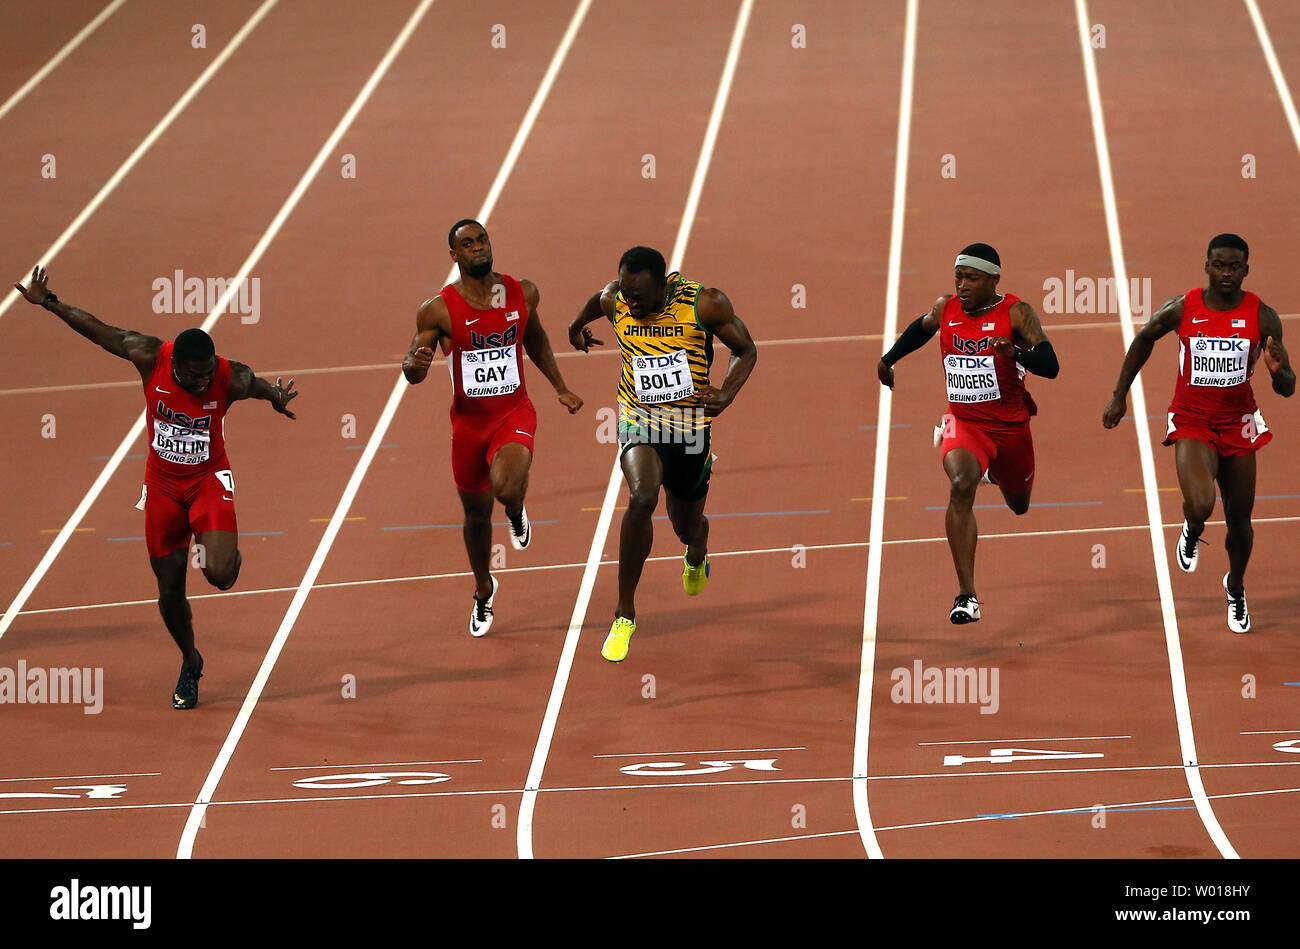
(665, 326)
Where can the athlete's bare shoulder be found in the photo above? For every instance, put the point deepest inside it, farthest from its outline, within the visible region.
(931, 321)
(434, 314)
(1165, 320)
(607, 298)
(1270, 323)
(1025, 323)
(532, 296)
(712, 307)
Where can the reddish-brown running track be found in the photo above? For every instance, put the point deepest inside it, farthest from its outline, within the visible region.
(373, 724)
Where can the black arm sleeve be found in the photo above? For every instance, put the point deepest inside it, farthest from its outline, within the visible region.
(913, 338)
(1041, 360)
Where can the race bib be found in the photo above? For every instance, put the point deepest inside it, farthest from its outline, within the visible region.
(486, 372)
(181, 444)
(662, 378)
(1218, 363)
(971, 378)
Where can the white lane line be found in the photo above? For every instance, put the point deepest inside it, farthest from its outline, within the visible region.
(1291, 731)
(994, 741)
(1152, 767)
(876, 530)
(1173, 647)
(725, 751)
(80, 777)
(59, 57)
(460, 575)
(133, 159)
(528, 804)
(384, 764)
(61, 540)
(195, 820)
(1275, 69)
(1114, 808)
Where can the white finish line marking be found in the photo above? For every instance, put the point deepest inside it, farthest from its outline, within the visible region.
(999, 741)
(725, 751)
(386, 764)
(83, 777)
(649, 787)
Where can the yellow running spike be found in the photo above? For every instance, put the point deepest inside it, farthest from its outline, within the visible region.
(615, 648)
(694, 578)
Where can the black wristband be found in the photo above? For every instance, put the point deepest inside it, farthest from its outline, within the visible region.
(1041, 360)
(49, 298)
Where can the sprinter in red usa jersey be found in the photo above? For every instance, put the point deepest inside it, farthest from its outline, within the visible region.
(1214, 422)
(484, 322)
(989, 341)
(189, 487)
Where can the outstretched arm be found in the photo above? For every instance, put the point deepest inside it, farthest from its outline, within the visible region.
(538, 346)
(432, 325)
(918, 333)
(1164, 320)
(714, 311)
(139, 349)
(1275, 354)
(245, 385)
(600, 306)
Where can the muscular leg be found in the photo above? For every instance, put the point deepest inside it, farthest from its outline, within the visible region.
(1237, 487)
(644, 473)
(478, 538)
(1198, 464)
(963, 470)
(221, 557)
(1019, 503)
(509, 475)
(691, 525)
(175, 609)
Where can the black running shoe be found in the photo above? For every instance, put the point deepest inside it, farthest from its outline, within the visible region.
(187, 686)
(965, 609)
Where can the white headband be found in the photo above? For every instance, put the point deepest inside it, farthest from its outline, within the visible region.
(979, 263)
